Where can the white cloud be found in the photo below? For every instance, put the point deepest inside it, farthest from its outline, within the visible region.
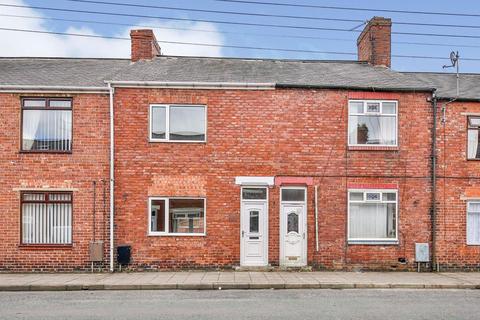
(41, 45)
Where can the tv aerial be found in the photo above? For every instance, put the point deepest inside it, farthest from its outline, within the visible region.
(455, 60)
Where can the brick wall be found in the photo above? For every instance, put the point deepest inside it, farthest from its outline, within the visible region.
(458, 181)
(88, 162)
(267, 133)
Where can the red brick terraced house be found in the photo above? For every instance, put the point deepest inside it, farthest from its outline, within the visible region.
(165, 162)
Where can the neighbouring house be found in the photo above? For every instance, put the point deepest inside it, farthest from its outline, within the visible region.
(223, 162)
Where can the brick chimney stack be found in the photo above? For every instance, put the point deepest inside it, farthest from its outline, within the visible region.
(144, 45)
(374, 43)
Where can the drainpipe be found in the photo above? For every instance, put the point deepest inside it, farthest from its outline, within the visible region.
(434, 183)
(112, 183)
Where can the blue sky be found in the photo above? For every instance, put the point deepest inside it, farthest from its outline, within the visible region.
(21, 44)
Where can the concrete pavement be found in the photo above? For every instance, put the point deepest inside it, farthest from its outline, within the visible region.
(200, 280)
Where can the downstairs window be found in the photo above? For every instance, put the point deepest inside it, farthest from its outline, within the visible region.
(473, 222)
(177, 216)
(372, 215)
(46, 218)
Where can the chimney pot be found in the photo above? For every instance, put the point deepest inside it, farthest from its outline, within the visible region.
(374, 45)
(144, 45)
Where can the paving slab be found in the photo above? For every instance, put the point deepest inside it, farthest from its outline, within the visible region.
(217, 280)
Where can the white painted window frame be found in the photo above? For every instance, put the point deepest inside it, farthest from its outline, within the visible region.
(167, 123)
(470, 243)
(365, 102)
(167, 217)
(374, 241)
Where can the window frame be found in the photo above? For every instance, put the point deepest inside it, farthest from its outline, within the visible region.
(46, 107)
(46, 202)
(469, 243)
(166, 233)
(365, 103)
(167, 123)
(253, 187)
(374, 241)
(468, 129)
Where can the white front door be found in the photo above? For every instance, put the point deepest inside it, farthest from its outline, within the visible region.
(254, 227)
(253, 234)
(293, 229)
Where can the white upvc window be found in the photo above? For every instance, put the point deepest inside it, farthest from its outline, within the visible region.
(372, 216)
(473, 133)
(473, 222)
(176, 216)
(178, 123)
(373, 123)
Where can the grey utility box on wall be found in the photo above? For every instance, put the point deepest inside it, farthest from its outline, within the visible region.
(96, 251)
(422, 253)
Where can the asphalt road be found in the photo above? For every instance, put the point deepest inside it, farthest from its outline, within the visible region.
(248, 304)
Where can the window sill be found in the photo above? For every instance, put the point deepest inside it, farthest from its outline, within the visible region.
(45, 246)
(177, 141)
(373, 242)
(177, 234)
(45, 152)
(373, 148)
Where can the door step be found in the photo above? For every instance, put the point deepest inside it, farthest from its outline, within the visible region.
(258, 269)
(273, 269)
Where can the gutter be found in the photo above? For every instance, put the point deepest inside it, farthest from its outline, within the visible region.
(193, 85)
(112, 181)
(346, 87)
(51, 88)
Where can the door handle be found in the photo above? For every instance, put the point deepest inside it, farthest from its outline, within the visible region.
(304, 235)
(243, 233)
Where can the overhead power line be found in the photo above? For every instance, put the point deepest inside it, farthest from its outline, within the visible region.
(233, 22)
(256, 14)
(269, 15)
(314, 6)
(227, 46)
(233, 32)
(176, 19)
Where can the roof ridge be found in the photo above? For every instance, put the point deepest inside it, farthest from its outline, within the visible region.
(264, 59)
(59, 58)
(440, 73)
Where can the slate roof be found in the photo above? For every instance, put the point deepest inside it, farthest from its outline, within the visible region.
(446, 84)
(58, 71)
(85, 72)
(330, 74)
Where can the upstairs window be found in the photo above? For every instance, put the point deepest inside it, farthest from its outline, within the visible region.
(46, 125)
(372, 122)
(473, 138)
(180, 123)
(372, 215)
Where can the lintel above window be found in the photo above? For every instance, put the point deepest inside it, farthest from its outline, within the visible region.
(372, 123)
(178, 123)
